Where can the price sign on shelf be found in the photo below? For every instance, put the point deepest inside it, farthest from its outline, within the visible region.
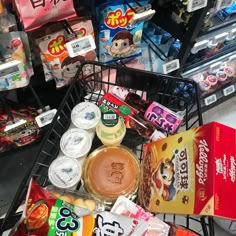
(215, 66)
(170, 66)
(223, 3)
(227, 91)
(194, 5)
(199, 46)
(209, 100)
(220, 38)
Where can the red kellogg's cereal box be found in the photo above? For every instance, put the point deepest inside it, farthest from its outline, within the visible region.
(191, 173)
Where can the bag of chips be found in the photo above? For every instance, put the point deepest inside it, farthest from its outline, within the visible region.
(36, 13)
(44, 214)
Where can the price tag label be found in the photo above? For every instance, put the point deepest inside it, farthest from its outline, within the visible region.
(194, 5)
(143, 16)
(170, 66)
(227, 91)
(223, 3)
(219, 38)
(211, 99)
(215, 66)
(232, 33)
(45, 118)
(80, 46)
(199, 46)
(232, 58)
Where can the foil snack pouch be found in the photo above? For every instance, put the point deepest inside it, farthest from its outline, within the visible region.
(44, 214)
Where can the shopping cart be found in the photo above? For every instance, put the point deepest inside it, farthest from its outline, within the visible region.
(176, 93)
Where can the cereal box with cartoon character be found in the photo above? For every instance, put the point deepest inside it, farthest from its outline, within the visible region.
(191, 172)
(117, 38)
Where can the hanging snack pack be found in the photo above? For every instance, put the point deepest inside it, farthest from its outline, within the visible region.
(18, 130)
(117, 38)
(15, 64)
(36, 13)
(58, 62)
(44, 214)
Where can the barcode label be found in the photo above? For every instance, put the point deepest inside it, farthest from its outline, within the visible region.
(227, 91)
(109, 116)
(211, 99)
(80, 46)
(45, 118)
(194, 5)
(170, 66)
(223, 3)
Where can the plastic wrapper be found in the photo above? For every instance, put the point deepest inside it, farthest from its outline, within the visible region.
(46, 215)
(76, 198)
(15, 60)
(176, 230)
(19, 130)
(36, 13)
(125, 207)
(57, 63)
(117, 38)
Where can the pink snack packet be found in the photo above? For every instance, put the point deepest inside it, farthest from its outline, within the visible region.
(156, 227)
(35, 13)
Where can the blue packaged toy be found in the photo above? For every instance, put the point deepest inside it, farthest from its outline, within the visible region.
(117, 38)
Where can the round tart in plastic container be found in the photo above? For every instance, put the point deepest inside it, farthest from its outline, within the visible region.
(111, 171)
(65, 173)
(75, 143)
(86, 116)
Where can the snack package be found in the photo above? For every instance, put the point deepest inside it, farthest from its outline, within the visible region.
(46, 215)
(23, 131)
(176, 230)
(15, 60)
(57, 63)
(192, 172)
(117, 38)
(123, 206)
(36, 13)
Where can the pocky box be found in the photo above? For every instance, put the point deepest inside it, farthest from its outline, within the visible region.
(191, 173)
(117, 38)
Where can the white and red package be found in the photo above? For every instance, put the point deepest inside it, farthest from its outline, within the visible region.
(36, 13)
(156, 227)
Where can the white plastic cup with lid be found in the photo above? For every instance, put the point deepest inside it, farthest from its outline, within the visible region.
(75, 143)
(86, 116)
(65, 173)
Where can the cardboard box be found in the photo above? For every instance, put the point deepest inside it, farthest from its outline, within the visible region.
(191, 173)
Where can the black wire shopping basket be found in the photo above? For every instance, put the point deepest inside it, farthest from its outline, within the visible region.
(175, 93)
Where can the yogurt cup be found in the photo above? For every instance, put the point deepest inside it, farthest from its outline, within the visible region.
(75, 143)
(65, 173)
(86, 116)
(113, 132)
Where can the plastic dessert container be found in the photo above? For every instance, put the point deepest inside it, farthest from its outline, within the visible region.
(65, 173)
(111, 171)
(86, 116)
(75, 143)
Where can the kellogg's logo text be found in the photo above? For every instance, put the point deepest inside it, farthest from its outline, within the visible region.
(116, 18)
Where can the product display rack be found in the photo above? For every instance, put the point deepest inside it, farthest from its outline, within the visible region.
(89, 89)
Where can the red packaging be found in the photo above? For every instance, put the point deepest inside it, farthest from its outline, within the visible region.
(191, 173)
(110, 102)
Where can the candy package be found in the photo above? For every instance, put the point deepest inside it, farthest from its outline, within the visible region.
(15, 60)
(36, 13)
(176, 230)
(57, 62)
(44, 214)
(117, 38)
(20, 129)
(123, 206)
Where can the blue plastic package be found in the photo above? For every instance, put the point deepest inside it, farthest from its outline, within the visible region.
(117, 38)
